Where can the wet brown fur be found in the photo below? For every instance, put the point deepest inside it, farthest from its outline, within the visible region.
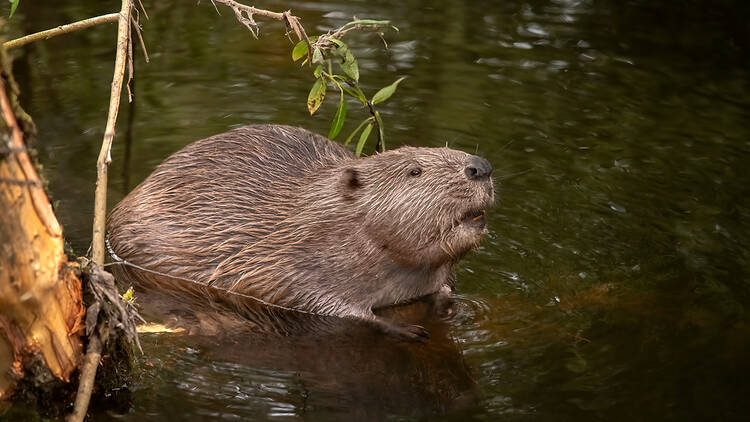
(291, 218)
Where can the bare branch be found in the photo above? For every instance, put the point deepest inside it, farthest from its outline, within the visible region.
(140, 3)
(100, 200)
(293, 23)
(216, 7)
(245, 14)
(88, 375)
(130, 62)
(63, 29)
(91, 360)
(137, 26)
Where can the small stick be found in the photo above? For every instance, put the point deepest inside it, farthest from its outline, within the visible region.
(290, 20)
(88, 375)
(100, 195)
(62, 29)
(93, 353)
(140, 38)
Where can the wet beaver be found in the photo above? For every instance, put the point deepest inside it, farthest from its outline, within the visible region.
(283, 216)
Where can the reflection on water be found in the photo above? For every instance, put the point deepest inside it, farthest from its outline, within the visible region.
(614, 282)
(319, 368)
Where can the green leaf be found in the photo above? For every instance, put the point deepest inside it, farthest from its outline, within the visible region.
(317, 56)
(381, 130)
(13, 6)
(348, 62)
(338, 119)
(300, 49)
(362, 139)
(364, 122)
(385, 93)
(316, 96)
(341, 49)
(349, 66)
(318, 71)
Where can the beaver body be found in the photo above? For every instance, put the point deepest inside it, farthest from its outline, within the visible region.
(286, 217)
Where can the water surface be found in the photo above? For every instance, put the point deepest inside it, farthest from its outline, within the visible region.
(614, 282)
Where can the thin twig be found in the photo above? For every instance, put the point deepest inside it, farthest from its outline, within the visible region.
(144, 10)
(130, 60)
(252, 10)
(245, 14)
(324, 41)
(292, 22)
(137, 26)
(100, 196)
(63, 29)
(216, 7)
(93, 353)
(88, 375)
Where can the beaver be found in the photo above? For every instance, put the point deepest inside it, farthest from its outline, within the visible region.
(282, 216)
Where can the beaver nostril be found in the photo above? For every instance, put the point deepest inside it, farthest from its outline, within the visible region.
(477, 168)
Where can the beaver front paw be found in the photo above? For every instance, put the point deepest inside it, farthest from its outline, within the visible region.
(404, 332)
(442, 302)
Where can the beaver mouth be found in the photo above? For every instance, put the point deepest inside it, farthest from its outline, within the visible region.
(474, 218)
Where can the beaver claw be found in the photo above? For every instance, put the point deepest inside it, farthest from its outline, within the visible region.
(414, 333)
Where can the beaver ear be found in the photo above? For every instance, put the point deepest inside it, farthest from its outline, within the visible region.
(349, 181)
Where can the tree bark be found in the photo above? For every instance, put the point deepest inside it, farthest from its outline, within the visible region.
(41, 308)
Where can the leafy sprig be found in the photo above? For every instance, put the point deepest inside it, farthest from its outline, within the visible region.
(328, 49)
(13, 7)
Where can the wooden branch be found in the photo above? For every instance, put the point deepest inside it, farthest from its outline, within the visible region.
(88, 375)
(250, 11)
(63, 29)
(102, 163)
(291, 21)
(93, 354)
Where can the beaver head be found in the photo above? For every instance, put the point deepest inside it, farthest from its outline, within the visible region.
(424, 206)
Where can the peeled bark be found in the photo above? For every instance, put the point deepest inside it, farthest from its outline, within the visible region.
(41, 308)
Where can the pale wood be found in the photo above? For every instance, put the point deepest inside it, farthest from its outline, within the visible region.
(62, 29)
(40, 296)
(102, 163)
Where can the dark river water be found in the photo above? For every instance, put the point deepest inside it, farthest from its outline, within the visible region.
(615, 280)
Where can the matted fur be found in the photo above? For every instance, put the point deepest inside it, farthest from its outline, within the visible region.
(293, 219)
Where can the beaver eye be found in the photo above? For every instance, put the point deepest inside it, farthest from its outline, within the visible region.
(416, 171)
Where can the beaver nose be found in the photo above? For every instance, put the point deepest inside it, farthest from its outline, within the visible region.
(477, 168)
